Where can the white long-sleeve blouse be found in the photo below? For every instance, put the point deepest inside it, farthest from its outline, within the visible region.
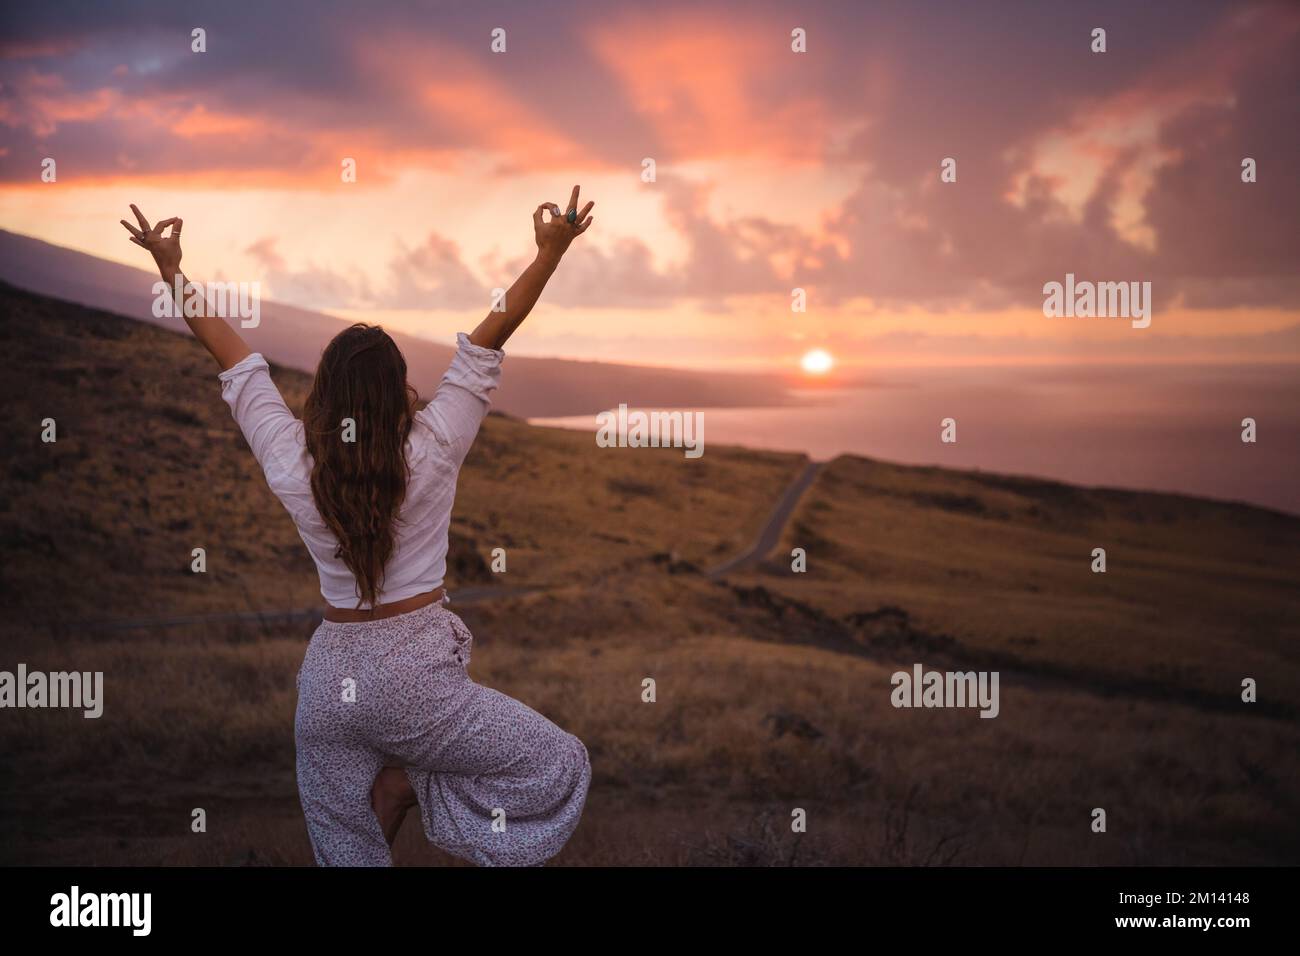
(440, 438)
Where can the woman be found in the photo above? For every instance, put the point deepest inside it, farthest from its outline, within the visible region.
(387, 717)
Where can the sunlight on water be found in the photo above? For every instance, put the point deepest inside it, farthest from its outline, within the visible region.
(1164, 429)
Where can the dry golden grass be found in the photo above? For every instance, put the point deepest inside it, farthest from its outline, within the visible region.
(742, 733)
(1118, 691)
(566, 510)
(1197, 594)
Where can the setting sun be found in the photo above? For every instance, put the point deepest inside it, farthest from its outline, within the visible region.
(817, 362)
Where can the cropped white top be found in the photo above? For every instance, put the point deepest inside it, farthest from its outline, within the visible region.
(440, 438)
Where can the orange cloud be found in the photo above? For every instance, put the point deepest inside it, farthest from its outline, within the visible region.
(474, 102)
(199, 122)
(705, 82)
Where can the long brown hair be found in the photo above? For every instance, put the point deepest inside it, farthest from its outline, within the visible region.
(360, 485)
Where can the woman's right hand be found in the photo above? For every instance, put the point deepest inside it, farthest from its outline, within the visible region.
(166, 250)
(554, 235)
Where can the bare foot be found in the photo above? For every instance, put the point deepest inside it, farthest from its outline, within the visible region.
(390, 798)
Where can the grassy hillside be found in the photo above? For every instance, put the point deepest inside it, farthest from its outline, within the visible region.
(1196, 595)
(149, 465)
(1118, 691)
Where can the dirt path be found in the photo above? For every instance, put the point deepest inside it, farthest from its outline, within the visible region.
(771, 532)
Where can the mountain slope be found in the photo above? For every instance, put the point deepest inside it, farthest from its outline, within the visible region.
(149, 464)
(293, 337)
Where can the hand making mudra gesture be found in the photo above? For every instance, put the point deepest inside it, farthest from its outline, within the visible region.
(166, 250)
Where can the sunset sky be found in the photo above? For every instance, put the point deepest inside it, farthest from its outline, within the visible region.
(775, 169)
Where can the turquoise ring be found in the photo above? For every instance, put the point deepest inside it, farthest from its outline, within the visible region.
(572, 216)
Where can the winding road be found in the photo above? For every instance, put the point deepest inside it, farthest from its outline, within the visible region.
(771, 532)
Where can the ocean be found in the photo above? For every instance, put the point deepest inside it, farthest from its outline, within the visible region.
(1161, 428)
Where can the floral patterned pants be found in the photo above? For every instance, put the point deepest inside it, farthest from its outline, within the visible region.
(498, 783)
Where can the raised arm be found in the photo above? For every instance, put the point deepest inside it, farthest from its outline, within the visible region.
(553, 237)
(217, 335)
